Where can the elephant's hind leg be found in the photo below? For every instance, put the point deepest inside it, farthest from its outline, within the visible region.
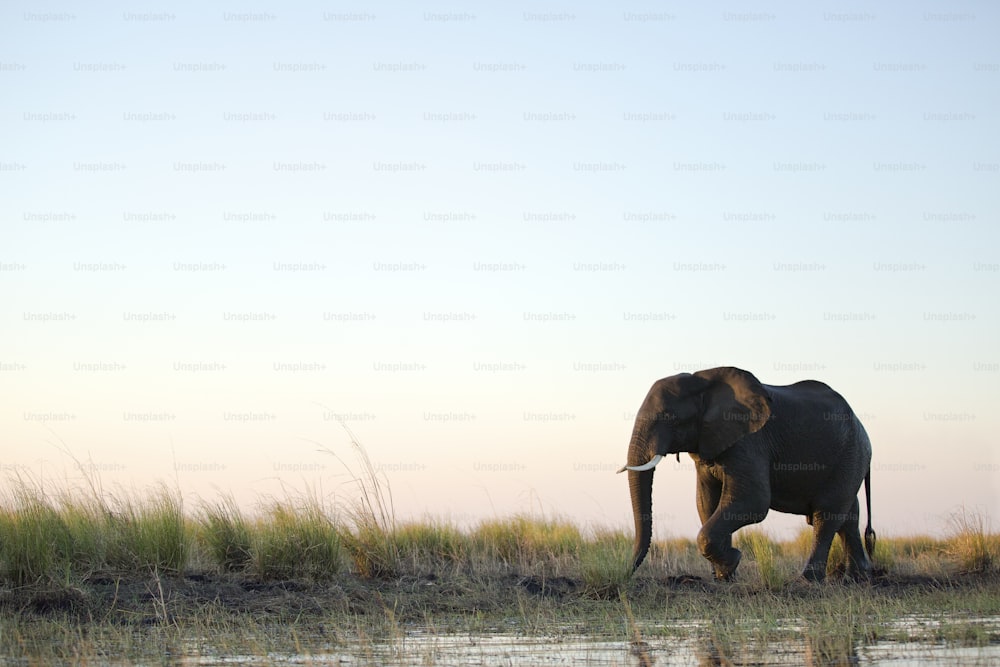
(859, 566)
(825, 525)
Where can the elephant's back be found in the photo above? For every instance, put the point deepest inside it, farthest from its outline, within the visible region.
(804, 386)
(800, 409)
(810, 398)
(812, 412)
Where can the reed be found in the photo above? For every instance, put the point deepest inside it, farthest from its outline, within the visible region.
(430, 544)
(524, 540)
(227, 535)
(605, 564)
(148, 533)
(35, 543)
(764, 553)
(371, 541)
(45, 538)
(64, 537)
(294, 540)
(969, 544)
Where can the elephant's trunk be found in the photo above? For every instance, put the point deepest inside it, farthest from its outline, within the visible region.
(640, 485)
(644, 452)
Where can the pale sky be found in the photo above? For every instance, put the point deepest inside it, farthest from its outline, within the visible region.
(478, 232)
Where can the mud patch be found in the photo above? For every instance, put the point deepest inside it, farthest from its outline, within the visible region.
(140, 598)
(45, 601)
(685, 581)
(558, 587)
(65, 600)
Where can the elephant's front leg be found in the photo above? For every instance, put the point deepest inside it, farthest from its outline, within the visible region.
(713, 546)
(715, 542)
(715, 539)
(708, 496)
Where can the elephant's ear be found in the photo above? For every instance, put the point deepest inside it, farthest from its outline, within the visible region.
(735, 405)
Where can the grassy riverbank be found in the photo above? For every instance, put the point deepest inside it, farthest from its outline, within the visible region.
(83, 567)
(71, 538)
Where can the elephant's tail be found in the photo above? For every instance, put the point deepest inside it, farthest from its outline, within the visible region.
(869, 533)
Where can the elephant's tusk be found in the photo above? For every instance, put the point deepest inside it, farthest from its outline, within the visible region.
(646, 466)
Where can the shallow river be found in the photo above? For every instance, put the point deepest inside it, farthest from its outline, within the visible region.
(509, 650)
(420, 648)
(913, 640)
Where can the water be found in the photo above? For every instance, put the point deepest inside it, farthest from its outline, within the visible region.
(511, 651)
(422, 649)
(909, 641)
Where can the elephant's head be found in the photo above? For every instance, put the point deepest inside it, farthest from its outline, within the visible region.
(704, 413)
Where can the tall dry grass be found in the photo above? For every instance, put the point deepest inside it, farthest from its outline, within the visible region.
(371, 543)
(227, 535)
(424, 546)
(46, 538)
(763, 554)
(62, 536)
(970, 544)
(523, 539)
(296, 540)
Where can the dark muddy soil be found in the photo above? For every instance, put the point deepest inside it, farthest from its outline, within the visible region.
(152, 599)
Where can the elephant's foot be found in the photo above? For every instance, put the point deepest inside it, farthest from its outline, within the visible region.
(861, 574)
(814, 572)
(725, 569)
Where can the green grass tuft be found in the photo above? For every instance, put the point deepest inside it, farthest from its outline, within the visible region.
(227, 535)
(523, 540)
(431, 543)
(836, 560)
(291, 541)
(63, 538)
(34, 541)
(148, 534)
(970, 544)
(46, 540)
(606, 565)
(764, 553)
(373, 550)
(371, 540)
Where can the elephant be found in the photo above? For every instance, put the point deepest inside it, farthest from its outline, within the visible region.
(798, 449)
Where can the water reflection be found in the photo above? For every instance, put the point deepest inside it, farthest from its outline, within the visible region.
(516, 651)
(701, 647)
(710, 654)
(830, 651)
(809, 651)
(643, 654)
